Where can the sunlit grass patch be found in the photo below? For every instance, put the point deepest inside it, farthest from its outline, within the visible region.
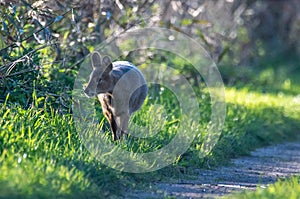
(289, 188)
(42, 153)
(251, 99)
(254, 120)
(27, 177)
(41, 156)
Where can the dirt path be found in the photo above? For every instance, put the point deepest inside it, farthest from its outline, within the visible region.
(262, 167)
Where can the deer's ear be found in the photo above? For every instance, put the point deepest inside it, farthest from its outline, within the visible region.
(96, 59)
(107, 64)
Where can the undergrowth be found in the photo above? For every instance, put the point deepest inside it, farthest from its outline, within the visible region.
(42, 155)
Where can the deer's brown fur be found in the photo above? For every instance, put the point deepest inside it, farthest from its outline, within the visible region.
(120, 88)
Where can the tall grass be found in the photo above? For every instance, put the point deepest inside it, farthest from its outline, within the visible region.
(42, 155)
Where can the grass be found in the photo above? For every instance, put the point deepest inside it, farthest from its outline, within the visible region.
(253, 120)
(42, 155)
(289, 188)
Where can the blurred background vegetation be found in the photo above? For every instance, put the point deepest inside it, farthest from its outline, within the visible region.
(42, 43)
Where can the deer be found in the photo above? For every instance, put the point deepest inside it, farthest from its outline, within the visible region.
(121, 90)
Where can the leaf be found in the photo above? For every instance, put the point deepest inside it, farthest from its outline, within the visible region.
(2, 45)
(61, 6)
(27, 4)
(108, 15)
(202, 22)
(58, 18)
(11, 20)
(38, 23)
(186, 22)
(4, 26)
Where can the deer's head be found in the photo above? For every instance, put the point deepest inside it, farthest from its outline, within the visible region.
(100, 78)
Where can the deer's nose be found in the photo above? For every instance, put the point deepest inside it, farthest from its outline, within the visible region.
(89, 92)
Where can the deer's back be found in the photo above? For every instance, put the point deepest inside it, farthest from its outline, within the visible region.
(130, 84)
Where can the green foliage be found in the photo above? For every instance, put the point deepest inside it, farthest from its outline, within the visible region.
(43, 43)
(19, 66)
(41, 154)
(26, 44)
(254, 120)
(41, 157)
(289, 188)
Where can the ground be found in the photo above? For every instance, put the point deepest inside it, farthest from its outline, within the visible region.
(263, 167)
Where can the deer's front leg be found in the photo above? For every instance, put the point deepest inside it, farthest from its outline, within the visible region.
(113, 127)
(112, 122)
(107, 109)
